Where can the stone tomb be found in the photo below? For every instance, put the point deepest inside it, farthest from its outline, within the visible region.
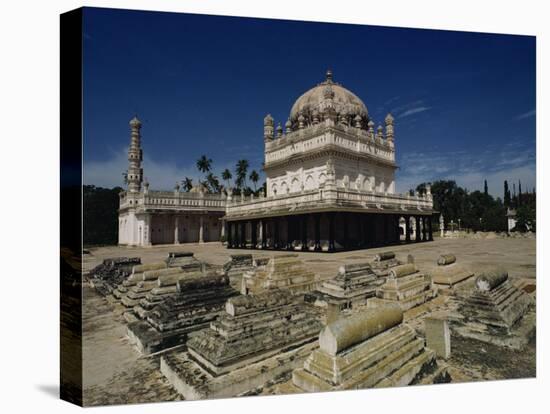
(368, 349)
(283, 272)
(236, 266)
(107, 275)
(159, 279)
(197, 301)
(135, 277)
(383, 262)
(449, 274)
(352, 286)
(495, 311)
(405, 286)
(257, 339)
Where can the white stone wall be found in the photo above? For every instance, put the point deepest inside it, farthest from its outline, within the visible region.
(354, 175)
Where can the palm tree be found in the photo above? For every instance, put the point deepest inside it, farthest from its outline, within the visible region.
(187, 184)
(204, 164)
(254, 177)
(213, 183)
(226, 176)
(241, 170)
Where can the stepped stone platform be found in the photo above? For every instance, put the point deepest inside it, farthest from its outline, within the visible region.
(405, 286)
(198, 299)
(256, 339)
(135, 277)
(450, 274)
(107, 275)
(495, 311)
(368, 349)
(352, 286)
(280, 272)
(157, 281)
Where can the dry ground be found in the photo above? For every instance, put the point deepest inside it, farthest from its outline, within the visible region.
(115, 373)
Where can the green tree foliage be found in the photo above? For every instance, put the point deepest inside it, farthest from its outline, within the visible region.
(187, 184)
(476, 210)
(213, 183)
(226, 176)
(485, 187)
(254, 177)
(100, 215)
(507, 197)
(204, 164)
(241, 170)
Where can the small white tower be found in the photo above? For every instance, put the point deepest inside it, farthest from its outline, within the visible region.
(135, 156)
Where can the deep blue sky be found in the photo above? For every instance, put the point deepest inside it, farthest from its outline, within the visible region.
(464, 103)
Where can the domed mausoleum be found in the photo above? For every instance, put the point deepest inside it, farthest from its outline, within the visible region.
(330, 178)
(330, 181)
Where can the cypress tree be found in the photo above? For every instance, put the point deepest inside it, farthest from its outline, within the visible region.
(519, 194)
(506, 194)
(485, 188)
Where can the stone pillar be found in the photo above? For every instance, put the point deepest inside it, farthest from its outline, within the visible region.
(176, 230)
(289, 235)
(430, 230)
(147, 230)
(331, 246)
(417, 230)
(229, 235)
(407, 229)
(424, 238)
(201, 229)
(243, 234)
(276, 243)
(303, 222)
(317, 246)
(222, 230)
(263, 236)
(254, 233)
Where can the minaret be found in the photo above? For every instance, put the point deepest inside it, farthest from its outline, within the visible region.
(135, 156)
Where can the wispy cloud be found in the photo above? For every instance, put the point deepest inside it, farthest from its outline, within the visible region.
(470, 169)
(525, 115)
(413, 111)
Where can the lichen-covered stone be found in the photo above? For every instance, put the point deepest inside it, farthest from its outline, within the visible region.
(261, 325)
(194, 303)
(281, 272)
(405, 286)
(352, 286)
(373, 349)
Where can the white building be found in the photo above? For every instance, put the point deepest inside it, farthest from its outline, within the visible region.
(330, 186)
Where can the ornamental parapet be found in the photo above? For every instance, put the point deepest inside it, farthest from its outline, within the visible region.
(329, 200)
(170, 200)
(320, 135)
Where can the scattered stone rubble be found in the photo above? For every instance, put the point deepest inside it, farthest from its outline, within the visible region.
(107, 275)
(283, 272)
(369, 349)
(198, 299)
(256, 339)
(405, 286)
(495, 311)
